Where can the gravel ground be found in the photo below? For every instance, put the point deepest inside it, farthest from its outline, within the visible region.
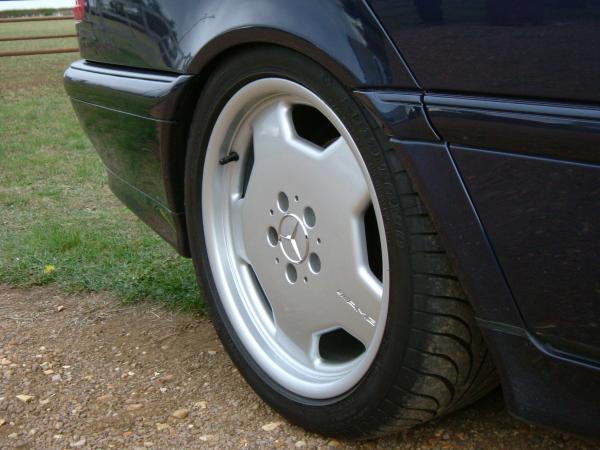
(91, 372)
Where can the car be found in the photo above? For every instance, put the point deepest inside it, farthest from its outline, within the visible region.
(392, 206)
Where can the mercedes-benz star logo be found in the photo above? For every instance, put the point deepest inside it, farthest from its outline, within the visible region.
(293, 238)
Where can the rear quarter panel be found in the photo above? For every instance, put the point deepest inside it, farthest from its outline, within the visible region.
(183, 36)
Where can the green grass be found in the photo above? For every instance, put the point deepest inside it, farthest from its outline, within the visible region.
(59, 223)
(35, 12)
(36, 29)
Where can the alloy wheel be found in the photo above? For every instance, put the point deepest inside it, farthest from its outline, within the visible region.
(295, 238)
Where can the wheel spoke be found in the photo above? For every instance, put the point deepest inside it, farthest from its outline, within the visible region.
(298, 318)
(360, 304)
(238, 233)
(272, 130)
(340, 168)
(351, 296)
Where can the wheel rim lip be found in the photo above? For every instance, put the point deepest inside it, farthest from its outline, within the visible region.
(325, 380)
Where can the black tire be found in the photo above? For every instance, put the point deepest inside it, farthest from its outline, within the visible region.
(432, 358)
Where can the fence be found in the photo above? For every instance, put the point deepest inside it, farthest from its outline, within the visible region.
(27, 38)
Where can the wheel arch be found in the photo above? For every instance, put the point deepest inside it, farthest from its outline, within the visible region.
(361, 70)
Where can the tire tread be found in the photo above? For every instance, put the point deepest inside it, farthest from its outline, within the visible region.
(447, 365)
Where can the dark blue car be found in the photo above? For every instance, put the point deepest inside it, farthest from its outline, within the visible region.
(392, 206)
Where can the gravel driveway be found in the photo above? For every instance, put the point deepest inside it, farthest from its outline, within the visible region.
(90, 372)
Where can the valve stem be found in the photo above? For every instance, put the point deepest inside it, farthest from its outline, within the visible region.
(232, 156)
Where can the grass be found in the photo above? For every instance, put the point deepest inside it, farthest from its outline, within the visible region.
(35, 12)
(59, 223)
(36, 29)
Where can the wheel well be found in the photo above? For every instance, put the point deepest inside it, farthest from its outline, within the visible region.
(174, 160)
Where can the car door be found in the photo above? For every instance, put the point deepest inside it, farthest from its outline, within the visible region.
(512, 86)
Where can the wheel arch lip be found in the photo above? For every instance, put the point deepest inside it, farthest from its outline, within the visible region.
(351, 66)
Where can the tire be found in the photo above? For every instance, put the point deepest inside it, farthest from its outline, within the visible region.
(430, 357)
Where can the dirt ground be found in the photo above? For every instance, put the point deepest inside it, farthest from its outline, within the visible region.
(91, 372)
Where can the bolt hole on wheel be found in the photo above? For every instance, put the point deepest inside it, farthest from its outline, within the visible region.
(283, 202)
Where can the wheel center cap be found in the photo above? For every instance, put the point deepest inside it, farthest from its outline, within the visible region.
(293, 238)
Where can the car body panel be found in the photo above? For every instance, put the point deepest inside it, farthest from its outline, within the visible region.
(544, 388)
(130, 118)
(400, 114)
(553, 130)
(545, 49)
(541, 216)
(148, 94)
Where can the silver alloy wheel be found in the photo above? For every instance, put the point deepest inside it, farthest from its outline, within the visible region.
(287, 245)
